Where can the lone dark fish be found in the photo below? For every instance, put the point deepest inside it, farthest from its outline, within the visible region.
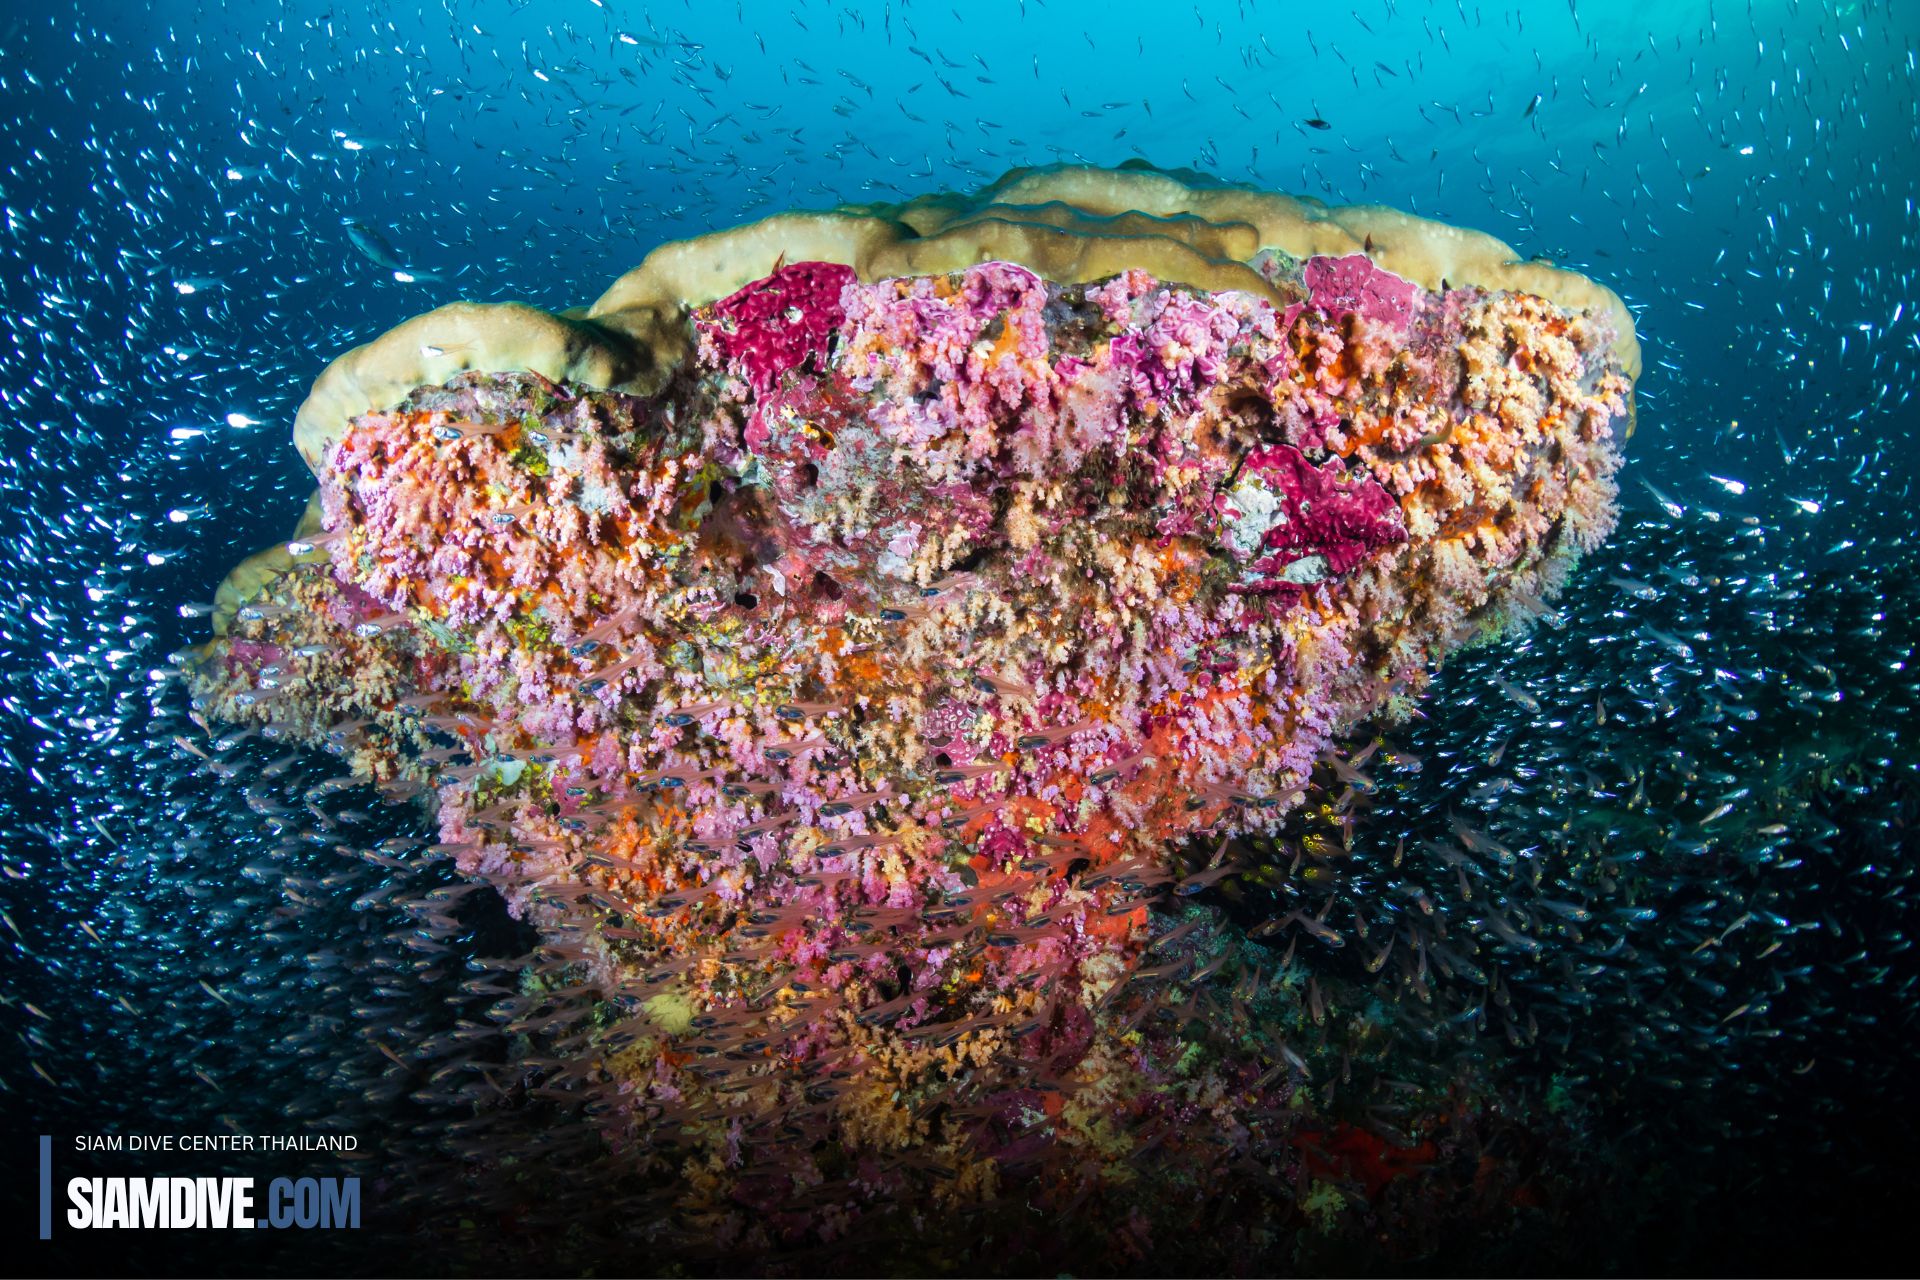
(372, 245)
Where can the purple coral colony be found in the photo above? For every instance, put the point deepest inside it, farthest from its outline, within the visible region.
(864, 711)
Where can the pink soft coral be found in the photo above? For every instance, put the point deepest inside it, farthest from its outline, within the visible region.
(1354, 283)
(774, 324)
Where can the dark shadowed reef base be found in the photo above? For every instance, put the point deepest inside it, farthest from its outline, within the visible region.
(1666, 1087)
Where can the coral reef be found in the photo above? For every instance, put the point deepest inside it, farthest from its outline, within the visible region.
(1068, 224)
(839, 701)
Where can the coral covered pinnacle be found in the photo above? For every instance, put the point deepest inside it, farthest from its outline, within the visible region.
(837, 694)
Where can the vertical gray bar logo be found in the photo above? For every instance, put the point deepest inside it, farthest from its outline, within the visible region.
(46, 1186)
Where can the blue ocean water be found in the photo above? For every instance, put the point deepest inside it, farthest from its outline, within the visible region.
(204, 205)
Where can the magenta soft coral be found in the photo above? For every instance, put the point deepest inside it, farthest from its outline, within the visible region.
(1353, 283)
(774, 324)
(1341, 517)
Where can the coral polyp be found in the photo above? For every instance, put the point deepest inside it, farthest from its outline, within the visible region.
(839, 680)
